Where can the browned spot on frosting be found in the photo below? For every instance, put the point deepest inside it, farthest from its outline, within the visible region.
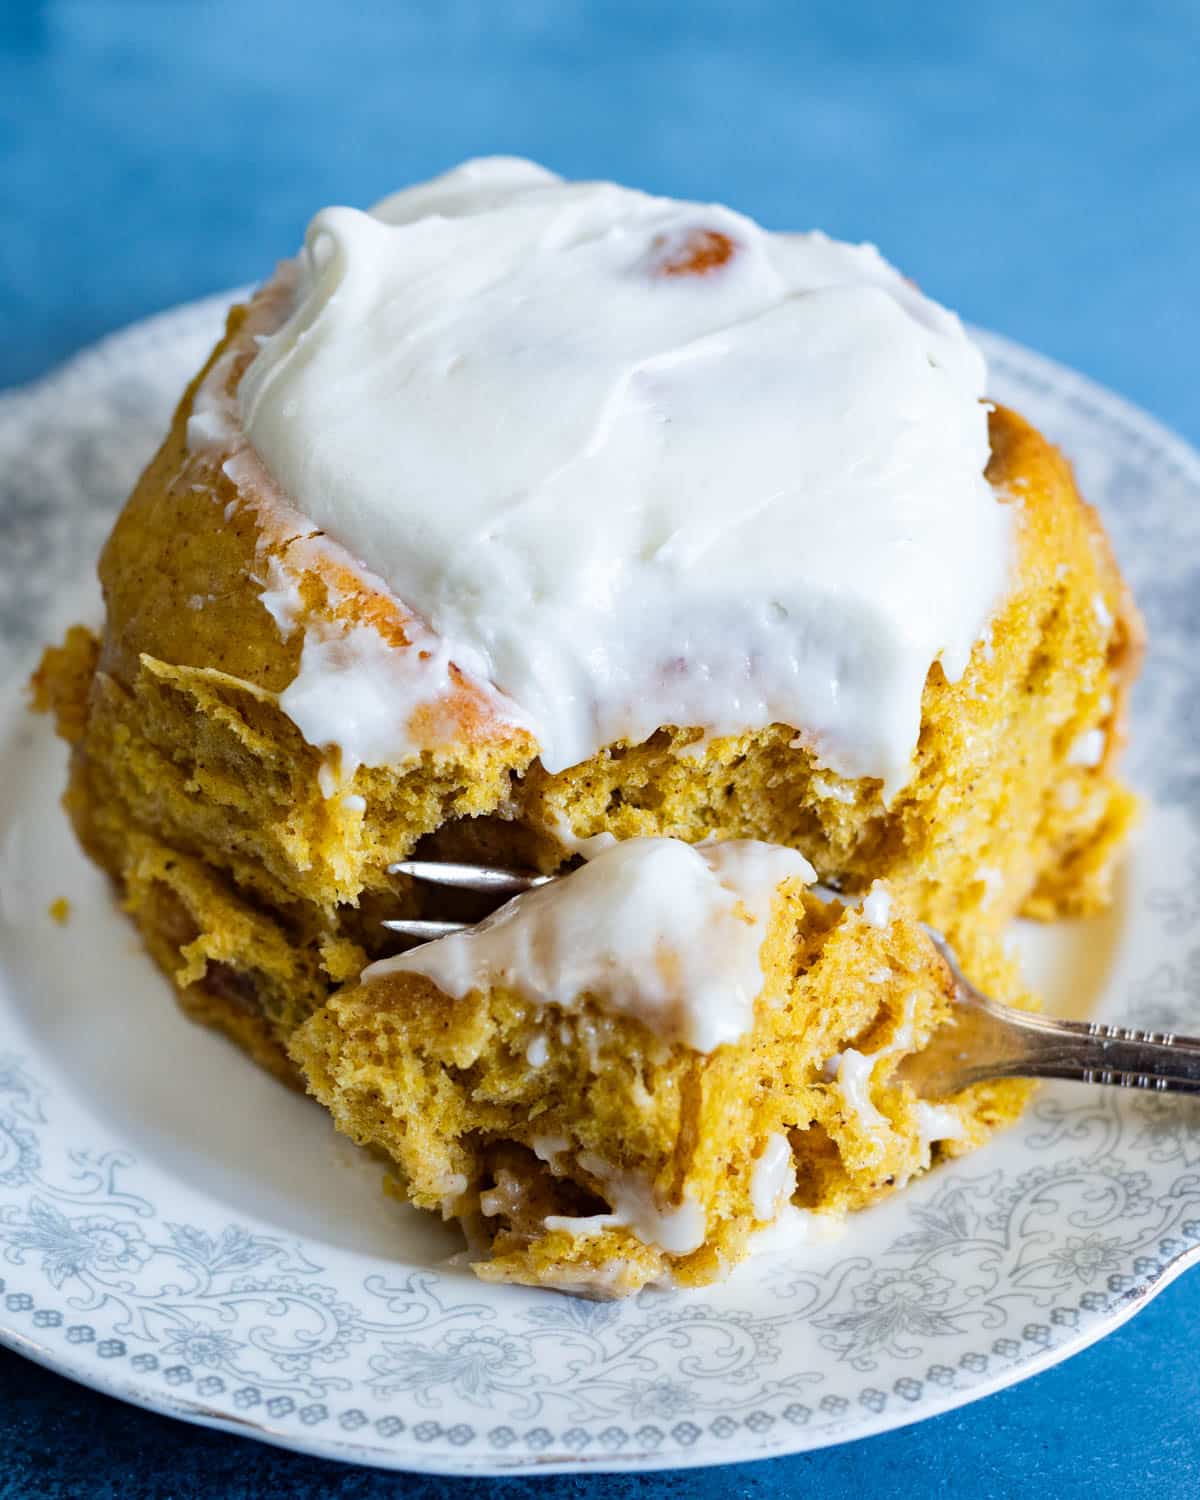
(702, 250)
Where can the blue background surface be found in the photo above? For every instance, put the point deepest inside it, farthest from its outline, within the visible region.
(1035, 164)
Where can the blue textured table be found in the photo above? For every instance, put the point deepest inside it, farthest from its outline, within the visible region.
(1037, 166)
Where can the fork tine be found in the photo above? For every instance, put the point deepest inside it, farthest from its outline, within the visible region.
(426, 931)
(489, 881)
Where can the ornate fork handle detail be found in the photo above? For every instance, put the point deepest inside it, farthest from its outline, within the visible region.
(990, 1040)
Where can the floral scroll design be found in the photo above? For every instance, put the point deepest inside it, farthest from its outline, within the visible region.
(588, 1360)
(985, 1247)
(235, 1307)
(233, 1301)
(251, 1308)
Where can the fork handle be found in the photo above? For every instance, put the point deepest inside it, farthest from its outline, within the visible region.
(990, 1040)
(1092, 1052)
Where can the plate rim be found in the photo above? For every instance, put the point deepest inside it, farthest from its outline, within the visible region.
(493, 1466)
(1073, 385)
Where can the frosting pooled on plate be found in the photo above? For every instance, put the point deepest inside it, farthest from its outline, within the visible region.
(691, 919)
(641, 462)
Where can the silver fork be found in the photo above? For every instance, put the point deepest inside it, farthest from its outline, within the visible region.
(986, 1040)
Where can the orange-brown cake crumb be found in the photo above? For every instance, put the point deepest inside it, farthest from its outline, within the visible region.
(583, 1146)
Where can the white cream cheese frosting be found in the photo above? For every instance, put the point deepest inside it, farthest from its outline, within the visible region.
(678, 1230)
(640, 462)
(773, 1180)
(692, 920)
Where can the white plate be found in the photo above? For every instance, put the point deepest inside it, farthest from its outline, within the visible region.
(178, 1230)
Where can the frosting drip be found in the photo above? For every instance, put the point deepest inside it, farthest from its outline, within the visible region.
(641, 462)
